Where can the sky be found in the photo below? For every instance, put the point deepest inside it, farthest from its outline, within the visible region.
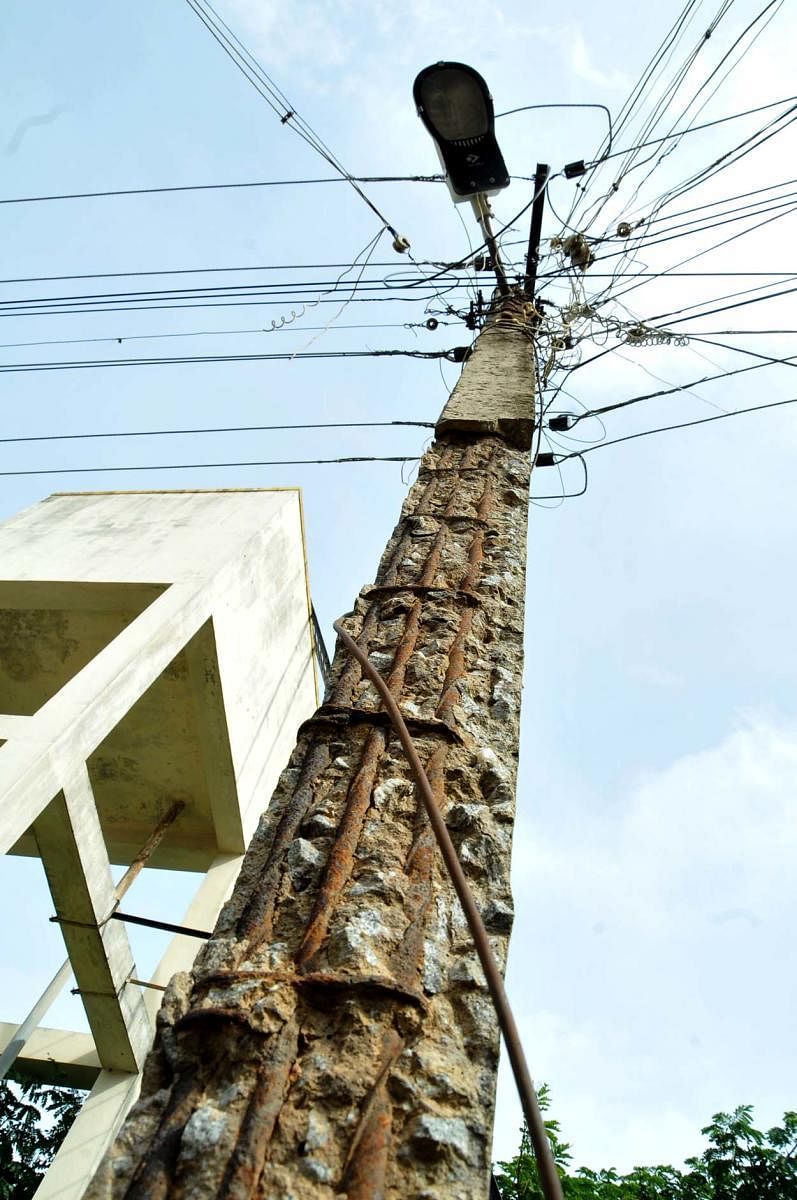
(652, 964)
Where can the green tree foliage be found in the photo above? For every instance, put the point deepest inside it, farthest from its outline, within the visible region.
(34, 1120)
(739, 1163)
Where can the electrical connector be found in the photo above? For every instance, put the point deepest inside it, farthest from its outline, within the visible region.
(561, 423)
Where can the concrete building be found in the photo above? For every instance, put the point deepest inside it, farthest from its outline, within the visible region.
(156, 659)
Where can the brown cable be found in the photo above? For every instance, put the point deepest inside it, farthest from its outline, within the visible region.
(549, 1178)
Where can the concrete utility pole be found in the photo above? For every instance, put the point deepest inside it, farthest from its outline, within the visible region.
(335, 1037)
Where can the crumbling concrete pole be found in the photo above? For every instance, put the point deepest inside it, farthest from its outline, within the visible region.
(335, 1037)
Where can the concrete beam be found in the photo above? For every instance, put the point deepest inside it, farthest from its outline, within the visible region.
(208, 900)
(76, 864)
(12, 725)
(55, 1056)
(68, 728)
(113, 1094)
(96, 1126)
(214, 739)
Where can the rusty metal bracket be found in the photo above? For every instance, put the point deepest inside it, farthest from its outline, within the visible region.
(377, 985)
(419, 589)
(339, 716)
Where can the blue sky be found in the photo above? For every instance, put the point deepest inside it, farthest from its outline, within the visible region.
(652, 962)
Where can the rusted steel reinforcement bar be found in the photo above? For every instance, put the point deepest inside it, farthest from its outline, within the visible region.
(551, 1186)
(148, 849)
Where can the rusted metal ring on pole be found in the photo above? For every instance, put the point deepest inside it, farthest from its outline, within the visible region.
(549, 1178)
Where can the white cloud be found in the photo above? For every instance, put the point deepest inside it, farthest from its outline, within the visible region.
(656, 915)
(724, 816)
(309, 34)
(581, 64)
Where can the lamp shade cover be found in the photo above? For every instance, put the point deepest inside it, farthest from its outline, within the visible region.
(456, 107)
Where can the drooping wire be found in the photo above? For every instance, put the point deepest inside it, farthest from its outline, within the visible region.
(136, 433)
(253, 70)
(222, 187)
(723, 416)
(283, 462)
(86, 364)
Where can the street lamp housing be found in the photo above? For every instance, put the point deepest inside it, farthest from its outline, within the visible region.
(456, 107)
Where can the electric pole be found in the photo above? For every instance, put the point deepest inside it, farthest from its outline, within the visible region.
(335, 1036)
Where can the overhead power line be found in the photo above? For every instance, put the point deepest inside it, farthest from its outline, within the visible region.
(78, 365)
(253, 70)
(683, 387)
(154, 337)
(134, 433)
(334, 266)
(282, 462)
(221, 187)
(724, 416)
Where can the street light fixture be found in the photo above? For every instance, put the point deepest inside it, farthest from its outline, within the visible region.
(456, 107)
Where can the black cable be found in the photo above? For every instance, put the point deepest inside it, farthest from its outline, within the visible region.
(209, 270)
(727, 307)
(682, 387)
(660, 108)
(23, 368)
(714, 203)
(699, 224)
(529, 107)
(706, 81)
(737, 412)
(700, 253)
(282, 288)
(240, 300)
(254, 72)
(128, 433)
(567, 495)
(701, 304)
(726, 160)
(667, 44)
(683, 274)
(232, 303)
(765, 358)
(216, 187)
(670, 40)
(152, 337)
(738, 333)
(286, 462)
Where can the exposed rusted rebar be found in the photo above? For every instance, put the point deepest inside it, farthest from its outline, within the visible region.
(549, 1178)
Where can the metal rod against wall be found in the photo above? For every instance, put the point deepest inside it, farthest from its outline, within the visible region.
(549, 1179)
(148, 849)
(151, 923)
(481, 207)
(155, 987)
